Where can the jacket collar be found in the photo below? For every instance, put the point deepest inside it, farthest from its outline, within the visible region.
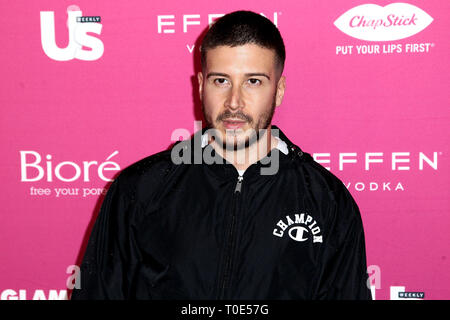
(282, 146)
(226, 169)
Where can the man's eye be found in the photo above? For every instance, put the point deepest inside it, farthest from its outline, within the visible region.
(254, 81)
(220, 81)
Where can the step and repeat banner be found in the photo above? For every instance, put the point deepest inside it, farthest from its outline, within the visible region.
(90, 87)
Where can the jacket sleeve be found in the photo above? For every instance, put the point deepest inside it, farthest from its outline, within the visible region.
(344, 273)
(107, 267)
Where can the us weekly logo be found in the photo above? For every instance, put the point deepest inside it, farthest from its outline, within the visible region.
(374, 23)
(81, 45)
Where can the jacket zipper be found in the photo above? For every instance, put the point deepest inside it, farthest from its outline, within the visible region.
(231, 237)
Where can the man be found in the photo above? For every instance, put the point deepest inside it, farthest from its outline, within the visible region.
(205, 221)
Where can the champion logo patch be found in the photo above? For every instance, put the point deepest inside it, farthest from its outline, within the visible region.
(299, 227)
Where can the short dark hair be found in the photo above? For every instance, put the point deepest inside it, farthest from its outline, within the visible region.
(244, 27)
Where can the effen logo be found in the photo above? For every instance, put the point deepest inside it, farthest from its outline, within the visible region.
(300, 227)
(78, 27)
(372, 22)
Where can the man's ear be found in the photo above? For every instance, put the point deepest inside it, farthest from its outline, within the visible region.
(200, 84)
(281, 87)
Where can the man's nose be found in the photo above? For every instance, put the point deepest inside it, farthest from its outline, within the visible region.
(234, 100)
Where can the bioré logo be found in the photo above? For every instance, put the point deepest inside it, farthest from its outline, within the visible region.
(78, 27)
(372, 22)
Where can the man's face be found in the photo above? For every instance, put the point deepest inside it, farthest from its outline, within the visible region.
(240, 88)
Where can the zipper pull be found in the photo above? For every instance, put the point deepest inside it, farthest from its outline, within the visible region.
(239, 184)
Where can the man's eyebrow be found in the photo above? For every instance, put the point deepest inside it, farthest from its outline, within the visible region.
(257, 74)
(253, 74)
(217, 74)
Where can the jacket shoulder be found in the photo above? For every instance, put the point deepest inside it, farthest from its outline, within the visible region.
(319, 176)
(324, 184)
(140, 178)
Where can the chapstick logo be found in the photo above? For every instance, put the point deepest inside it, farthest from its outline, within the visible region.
(372, 22)
(78, 27)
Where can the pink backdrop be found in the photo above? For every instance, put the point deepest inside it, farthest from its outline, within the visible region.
(140, 89)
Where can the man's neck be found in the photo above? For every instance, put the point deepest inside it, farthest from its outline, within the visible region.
(244, 158)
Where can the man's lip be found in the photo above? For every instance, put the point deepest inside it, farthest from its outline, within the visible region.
(234, 120)
(233, 124)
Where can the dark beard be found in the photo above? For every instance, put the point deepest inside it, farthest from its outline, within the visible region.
(263, 123)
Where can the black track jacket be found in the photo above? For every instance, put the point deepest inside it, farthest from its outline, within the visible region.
(196, 231)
